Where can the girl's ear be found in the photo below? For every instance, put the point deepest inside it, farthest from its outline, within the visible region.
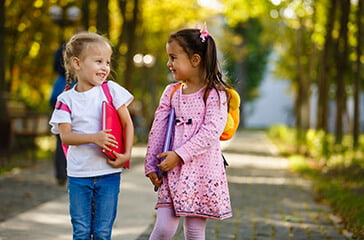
(75, 63)
(196, 60)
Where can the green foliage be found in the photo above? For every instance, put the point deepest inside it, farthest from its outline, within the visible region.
(336, 170)
(251, 53)
(32, 38)
(240, 11)
(316, 143)
(299, 164)
(281, 132)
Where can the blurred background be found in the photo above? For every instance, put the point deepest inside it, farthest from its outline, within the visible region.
(295, 63)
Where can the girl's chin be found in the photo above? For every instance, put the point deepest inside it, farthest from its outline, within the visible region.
(99, 82)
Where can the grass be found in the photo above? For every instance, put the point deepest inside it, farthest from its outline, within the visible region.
(337, 173)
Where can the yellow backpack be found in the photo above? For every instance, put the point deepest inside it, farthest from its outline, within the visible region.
(233, 118)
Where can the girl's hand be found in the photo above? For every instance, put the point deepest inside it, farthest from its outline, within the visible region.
(120, 160)
(156, 181)
(105, 140)
(171, 160)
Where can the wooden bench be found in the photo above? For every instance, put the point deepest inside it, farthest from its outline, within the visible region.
(25, 126)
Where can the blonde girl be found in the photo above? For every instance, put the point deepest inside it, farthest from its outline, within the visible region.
(93, 180)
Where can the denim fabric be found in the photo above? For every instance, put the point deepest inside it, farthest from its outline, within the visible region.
(93, 206)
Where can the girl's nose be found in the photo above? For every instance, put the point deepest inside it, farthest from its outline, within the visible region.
(105, 66)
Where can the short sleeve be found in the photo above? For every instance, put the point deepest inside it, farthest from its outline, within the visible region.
(120, 95)
(59, 116)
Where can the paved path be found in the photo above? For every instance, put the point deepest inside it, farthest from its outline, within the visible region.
(50, 220)
(268, 203)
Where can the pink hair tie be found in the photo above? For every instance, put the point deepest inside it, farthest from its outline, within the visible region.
(204, 33)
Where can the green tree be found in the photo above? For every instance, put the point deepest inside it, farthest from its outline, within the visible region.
(248, 53)
(246, 62)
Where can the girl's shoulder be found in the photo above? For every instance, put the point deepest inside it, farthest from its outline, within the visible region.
(173, 86)
(213, 93)
(112, 84)
(116, 88)
(119, 94)
(66, 94)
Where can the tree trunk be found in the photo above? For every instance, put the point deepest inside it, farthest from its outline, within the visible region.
(85, 14)
(325, 73)
(131, 46)
(127, 39)
(241, 88)
(312, 67)
(360, 22)
(302, 103)
(3, 85)
(298, 98)
(342, 59)
(122, 38)
(5, 124)
(102, 17)
(303, 85)
(2, 56)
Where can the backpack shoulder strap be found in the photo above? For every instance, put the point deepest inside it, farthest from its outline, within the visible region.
(106, 90)
(174, 90)
(61, 106)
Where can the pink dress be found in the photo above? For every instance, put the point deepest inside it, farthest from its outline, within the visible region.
(197, 186)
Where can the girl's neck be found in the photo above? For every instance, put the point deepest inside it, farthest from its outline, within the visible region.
(81, 87)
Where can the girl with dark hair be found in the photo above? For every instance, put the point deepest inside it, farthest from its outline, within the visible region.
(194, 182)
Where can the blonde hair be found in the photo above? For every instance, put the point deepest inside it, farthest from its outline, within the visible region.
(75, 48)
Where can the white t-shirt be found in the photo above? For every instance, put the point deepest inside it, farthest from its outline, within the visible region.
(86, 160)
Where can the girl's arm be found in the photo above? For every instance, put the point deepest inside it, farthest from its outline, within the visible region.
(158, 131)
(102, 138)
(128, 137)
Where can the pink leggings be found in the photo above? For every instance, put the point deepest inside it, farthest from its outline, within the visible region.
(167, 223)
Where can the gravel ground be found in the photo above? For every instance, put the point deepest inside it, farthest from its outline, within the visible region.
(21, 190)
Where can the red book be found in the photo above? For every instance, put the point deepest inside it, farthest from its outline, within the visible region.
(111, 120)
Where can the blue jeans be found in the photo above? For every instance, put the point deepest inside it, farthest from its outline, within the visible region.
(93, 205)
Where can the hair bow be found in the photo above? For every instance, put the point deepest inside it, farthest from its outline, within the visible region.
(204, 33)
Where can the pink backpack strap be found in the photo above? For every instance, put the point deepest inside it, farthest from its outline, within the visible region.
(61, 106)
(105, 88)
